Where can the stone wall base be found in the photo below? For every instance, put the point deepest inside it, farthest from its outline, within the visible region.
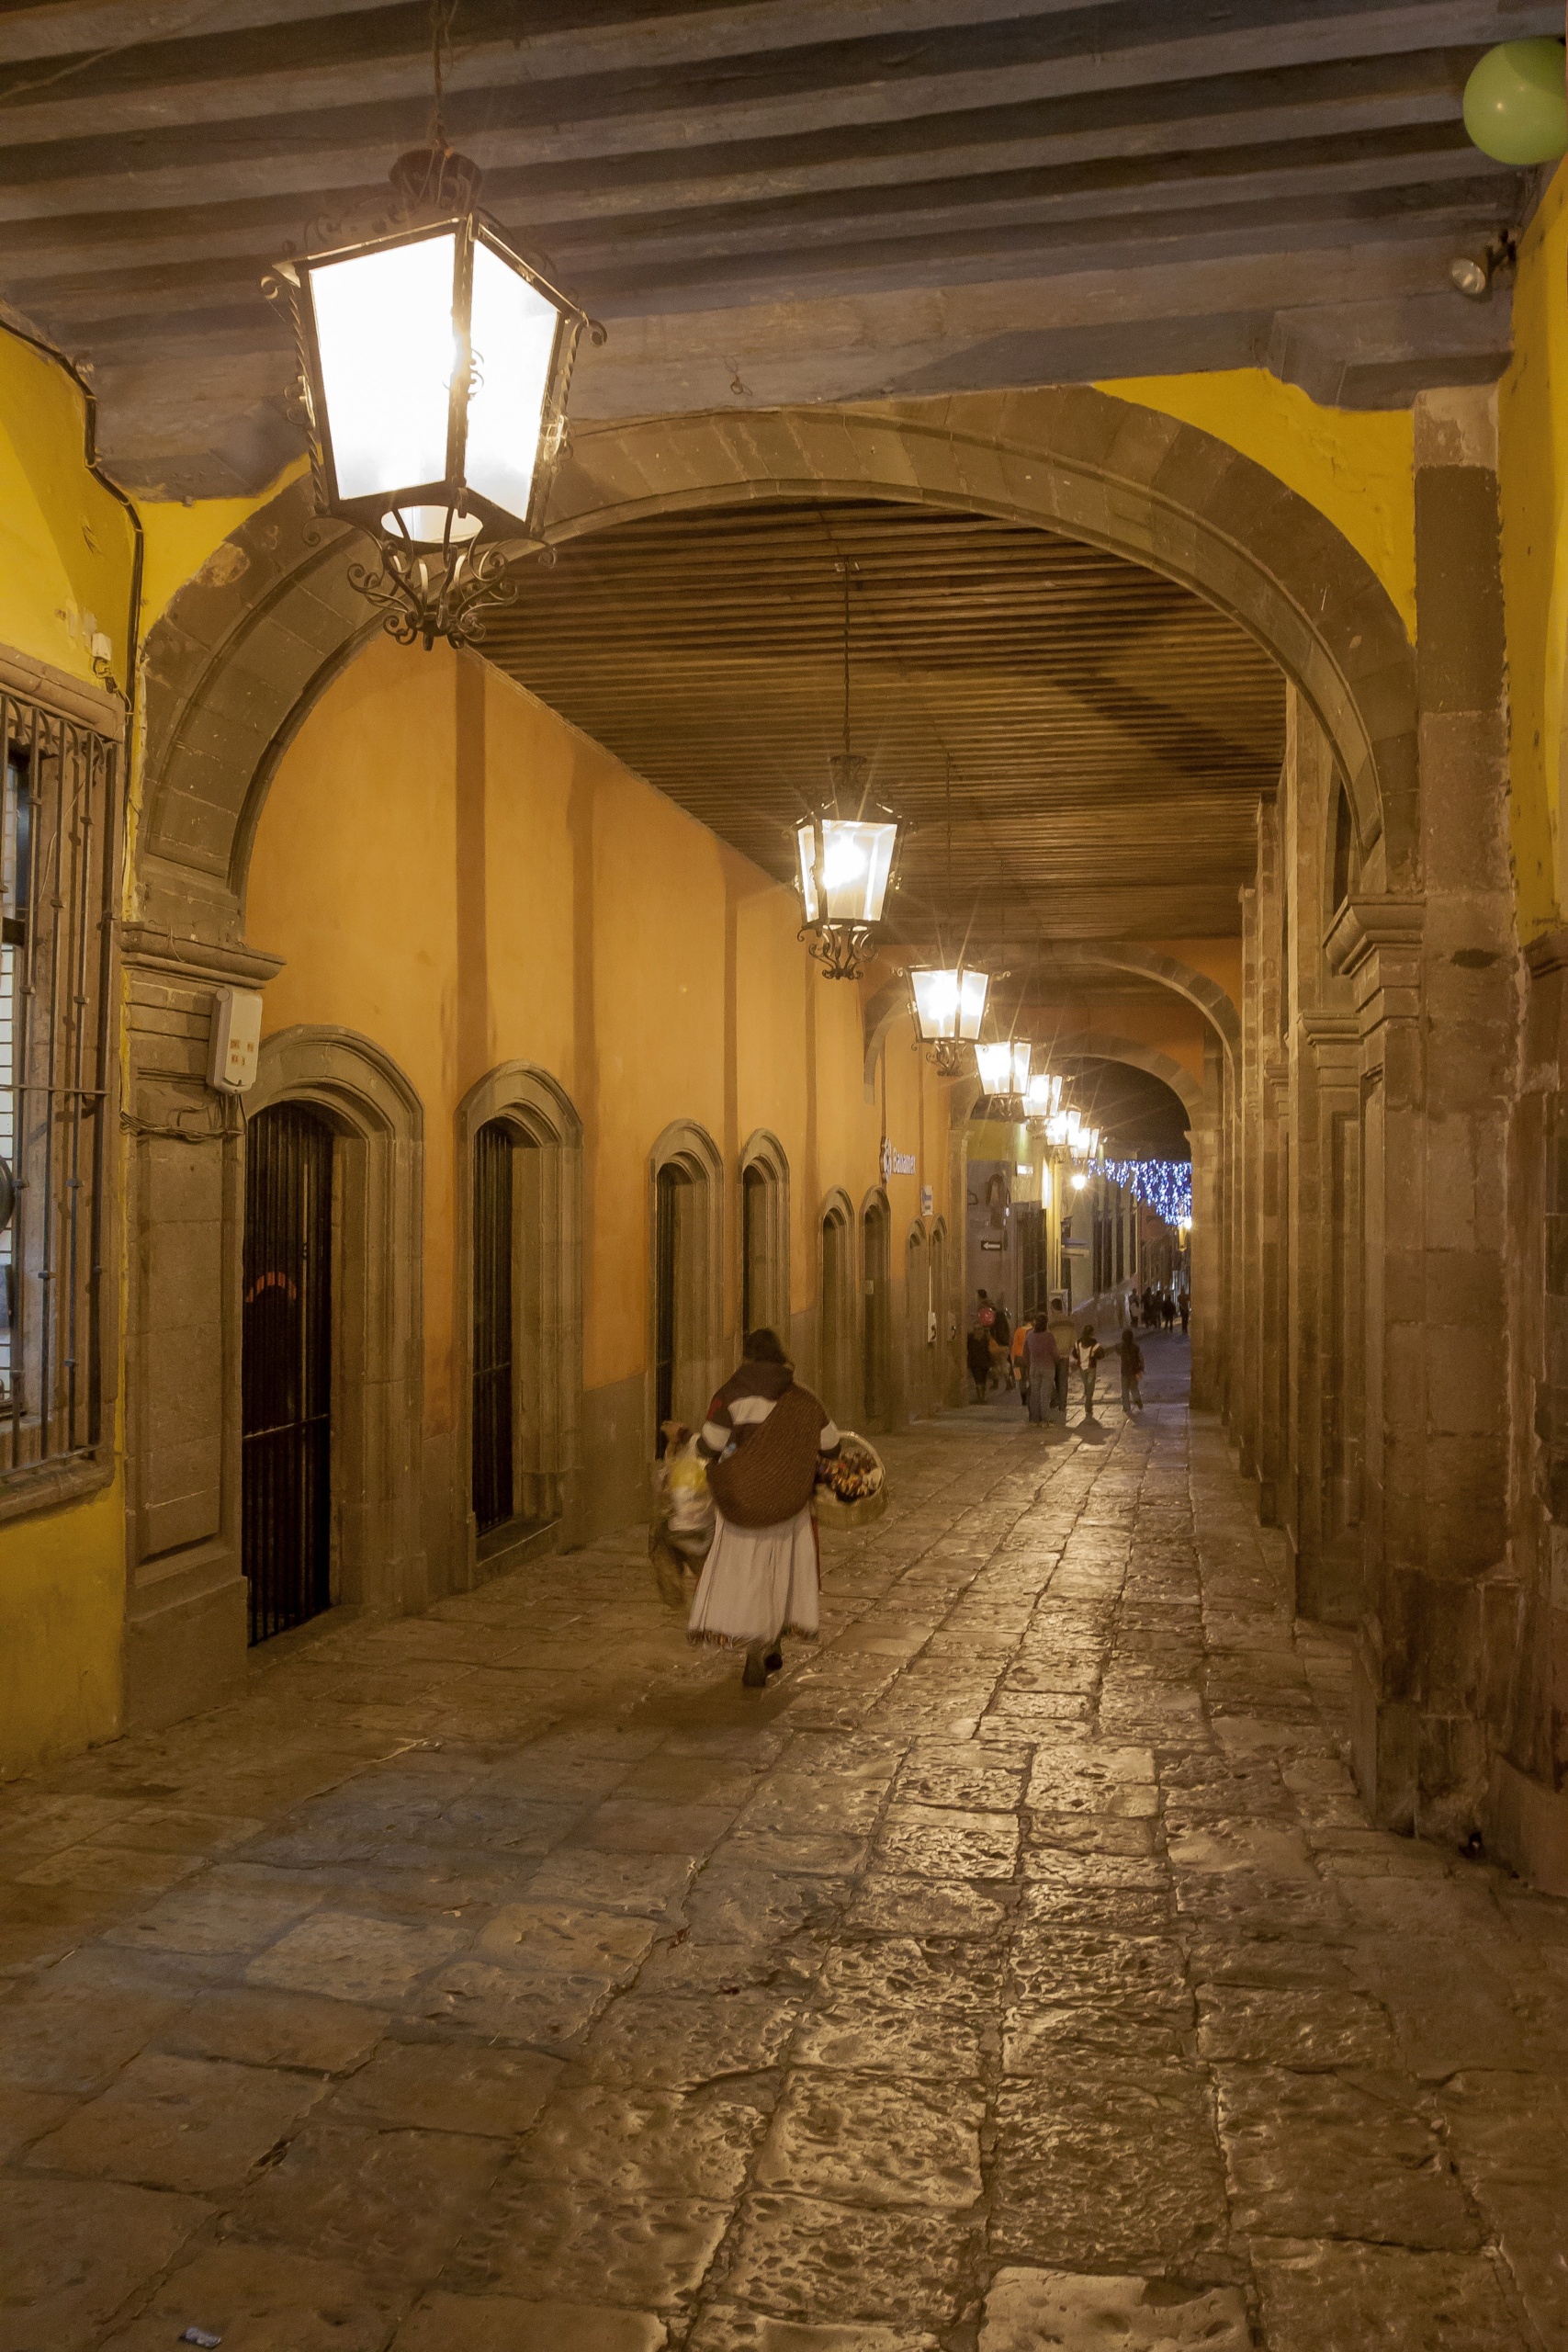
(186, 1657)
(1526, 1825)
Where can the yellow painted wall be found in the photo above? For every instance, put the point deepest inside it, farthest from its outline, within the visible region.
(65, 570)
(180, 539)
(1532, 434)
(66, 544)
(1355, 465)
(452, 871)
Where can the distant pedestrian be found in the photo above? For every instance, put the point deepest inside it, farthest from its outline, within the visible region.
(1041, 1362)
(1001, 1332)
(1087, 1355)
(1168, 1310)
(985, 1313)
(1064, 1332)
(1020, 1361)
(1130, 1357)
(977, 1350)
(1186, 1303)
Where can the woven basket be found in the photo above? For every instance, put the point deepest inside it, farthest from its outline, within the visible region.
(831, 1512)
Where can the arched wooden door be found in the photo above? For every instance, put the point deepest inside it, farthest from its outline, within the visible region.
(494, 1417)
(286, 1338)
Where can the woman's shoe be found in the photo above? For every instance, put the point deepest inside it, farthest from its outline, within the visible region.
(774, 1662)
(755, 1675)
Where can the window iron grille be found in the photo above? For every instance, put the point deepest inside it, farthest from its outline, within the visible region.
(57, 867)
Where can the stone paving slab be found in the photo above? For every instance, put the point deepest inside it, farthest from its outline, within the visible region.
(1018, 1970)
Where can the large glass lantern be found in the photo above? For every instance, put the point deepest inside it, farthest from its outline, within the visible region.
(1044, 1093)
(949, 1004)
(1003, 1068)
(846, 867)
(434, 364)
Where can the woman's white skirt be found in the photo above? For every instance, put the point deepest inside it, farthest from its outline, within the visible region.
(759, 1582)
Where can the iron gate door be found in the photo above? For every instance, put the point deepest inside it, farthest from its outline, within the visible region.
(286, 1369)
(492, 1328)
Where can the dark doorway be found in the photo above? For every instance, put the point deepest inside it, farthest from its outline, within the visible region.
(286, 1369)
(874, 1327)
(494, 1378)
(754, 1267)
(668, 1186)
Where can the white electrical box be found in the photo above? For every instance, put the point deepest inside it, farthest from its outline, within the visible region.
(236, 1040)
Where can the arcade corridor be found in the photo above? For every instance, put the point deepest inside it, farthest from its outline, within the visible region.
(1018, 1971)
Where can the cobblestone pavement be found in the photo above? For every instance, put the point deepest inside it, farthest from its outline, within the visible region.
(1018, 1971)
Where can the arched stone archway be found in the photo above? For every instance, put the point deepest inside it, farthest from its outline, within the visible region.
(247, 646)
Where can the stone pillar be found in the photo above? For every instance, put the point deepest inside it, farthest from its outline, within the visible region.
(1434, 981)
(1208, 1238)
(1325, 1320)
(1246, 1384)
(185, 1615)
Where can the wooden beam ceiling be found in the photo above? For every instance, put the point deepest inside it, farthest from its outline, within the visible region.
(763, 197)
(1099, 735)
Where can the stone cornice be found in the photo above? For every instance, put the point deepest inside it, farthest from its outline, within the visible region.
(40, 682)
(144, 948)
(1364, 927)
(1547, 954)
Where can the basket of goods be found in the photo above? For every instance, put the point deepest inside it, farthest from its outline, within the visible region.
(851, 1485)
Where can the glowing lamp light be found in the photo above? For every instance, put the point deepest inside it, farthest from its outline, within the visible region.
(1079, 1180)
(1056, 1128)
(845, 870)
(1004, 1067)
(1044, 1093)
(434, 364)
(950, 1003)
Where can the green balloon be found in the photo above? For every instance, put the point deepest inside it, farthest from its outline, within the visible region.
(1515, 109)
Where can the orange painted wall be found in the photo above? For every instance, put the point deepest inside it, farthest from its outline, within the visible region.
(455, 873)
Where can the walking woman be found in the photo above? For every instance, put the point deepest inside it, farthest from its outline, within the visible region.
(763, 1435)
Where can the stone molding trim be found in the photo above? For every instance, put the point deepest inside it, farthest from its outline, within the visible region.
(378, 1303)
(1547, 954)
(547, 1316)
(48, 1485)
(700, 1331)
(245, 649)
(762, 1150)
(146, 949)
(35, 680)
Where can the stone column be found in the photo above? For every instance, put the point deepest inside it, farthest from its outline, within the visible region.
(1435, 981)
(186, 1613)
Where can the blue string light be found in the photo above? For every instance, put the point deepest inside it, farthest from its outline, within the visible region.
(1165, 1185)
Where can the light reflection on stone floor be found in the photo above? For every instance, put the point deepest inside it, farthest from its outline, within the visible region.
(1018, 1972)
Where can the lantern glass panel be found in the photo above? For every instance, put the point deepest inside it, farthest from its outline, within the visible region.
(1021, 1052)
(995, 1066)
(806, 847)
(949, 1003)
(1075, 1127)
(384, 333)
(857, 860)
(1056, 1128)
(1039, 1096)
(512, 331)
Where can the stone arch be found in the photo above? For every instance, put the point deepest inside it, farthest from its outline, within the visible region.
(540, 1116)
(890, 1003)
(246, 647)
(1096, 1045)
(762, 1234)
(685, 1189)
(378, 1301)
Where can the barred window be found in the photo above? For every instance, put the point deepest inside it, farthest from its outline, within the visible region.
(56, 916)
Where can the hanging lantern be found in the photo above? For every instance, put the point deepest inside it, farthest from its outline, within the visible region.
(1057, 1129)
(1044, 1095)
(846, 866)
(434, 365)
(949, 1004)
(1003, 1068)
